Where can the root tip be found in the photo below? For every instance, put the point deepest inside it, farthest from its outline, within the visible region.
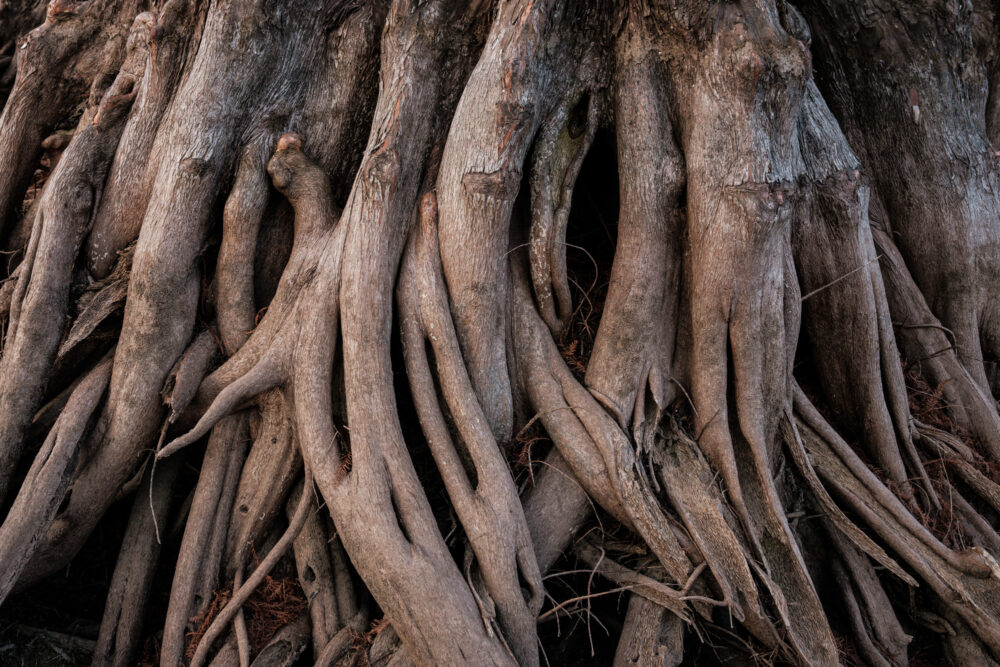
(290, 140)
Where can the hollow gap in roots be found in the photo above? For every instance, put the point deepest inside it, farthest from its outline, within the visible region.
(591, 239)
(420, 453)
(463, 451)
(586, 630)
(70, 602)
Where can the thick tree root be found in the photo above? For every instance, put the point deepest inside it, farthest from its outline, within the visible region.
(38, 499)
(501, 110)
(267, 477)
(172, 36)
(632, 359)
(836, 261)
(61, 220)
(121, 627)
(57, 61)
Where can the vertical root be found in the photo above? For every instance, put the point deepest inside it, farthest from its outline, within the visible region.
(312, 562)
(200, 557)
(171, 42)
(609, 470)
(563, 141)
(871, 614)
(481, 171)
(41, 298)
(555, 507)
(271, 468)
(487, 505)
(634, 348)
(845, 305)
(689, 482)
(240, 596)
(650, 636)
(924, 341)
(241, 221)
(55, 63)
(124, 609)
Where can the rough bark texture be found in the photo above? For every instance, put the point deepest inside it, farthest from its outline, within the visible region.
(315, 287)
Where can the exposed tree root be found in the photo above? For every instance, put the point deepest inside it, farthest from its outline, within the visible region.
(202, 547)
(121, 626)
(38, 499)
(484, 496)
(312, 560)
(239, 187)
(243, 592)
(651, 636)
(62, 218)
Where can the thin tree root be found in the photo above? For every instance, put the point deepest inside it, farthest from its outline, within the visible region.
(240, 595)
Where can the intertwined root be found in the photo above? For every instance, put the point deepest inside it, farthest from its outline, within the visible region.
(61, 220)
(743, 213)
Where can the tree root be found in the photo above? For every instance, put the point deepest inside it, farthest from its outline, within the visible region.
(498, 116)
(608, 468)
(172, 37)
(836, 262)
(56, 62)
(632, 359)
(270, 470)
(742, 210)
(38, 500)
(200, 557)
(964, 581)
(288, 644)
(650, 636)
(39, 303)
(241, 594)
(484, 498)
(120, 635)
(312, 561)
(872, 619)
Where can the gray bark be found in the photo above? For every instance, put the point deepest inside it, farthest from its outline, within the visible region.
(281, 228)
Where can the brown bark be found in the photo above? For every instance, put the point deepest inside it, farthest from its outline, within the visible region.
(340, 242)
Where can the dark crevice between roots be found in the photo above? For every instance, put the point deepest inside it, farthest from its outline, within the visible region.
(468, 466)
(591, 237)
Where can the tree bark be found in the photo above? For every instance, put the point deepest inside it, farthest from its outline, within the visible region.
(345, 245)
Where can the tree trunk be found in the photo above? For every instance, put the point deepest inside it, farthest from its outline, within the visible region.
(365, 254)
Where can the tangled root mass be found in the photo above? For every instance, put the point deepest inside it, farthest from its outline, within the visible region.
(407, 330)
